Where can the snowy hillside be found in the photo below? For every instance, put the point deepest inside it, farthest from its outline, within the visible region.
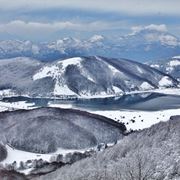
(85, 77)
(45, 130)
(152, 153)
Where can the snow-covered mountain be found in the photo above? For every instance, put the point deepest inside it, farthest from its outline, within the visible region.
(150, 43)
(143, 44)
(171, 66)
(79, 77)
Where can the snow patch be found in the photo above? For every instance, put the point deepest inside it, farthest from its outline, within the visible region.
(16, 105)
(117, 90)
(176, 57)
(60, 89)
(145, 86)
(169, 69)
(96, 38)
(23, 156)
(165, 82)
(137, 120)
(56, 72)
(63, 106)
(47, 71)
(139, 70)
(7, 93)
(174, 63)
(155, 65)
(71, 61)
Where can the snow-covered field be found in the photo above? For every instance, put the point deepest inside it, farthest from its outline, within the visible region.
(65, 106)
(7, 93)
(4, 106)
(136, 120)
(18, 156)
(167, 91)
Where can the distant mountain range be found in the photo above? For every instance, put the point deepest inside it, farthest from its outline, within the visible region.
(79, 77)
(171, 66)
(142, 45)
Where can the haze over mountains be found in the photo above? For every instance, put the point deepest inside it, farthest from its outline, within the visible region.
(80, 77)
(143, 44)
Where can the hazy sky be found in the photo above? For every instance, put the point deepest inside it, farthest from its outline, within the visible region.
(42, 20)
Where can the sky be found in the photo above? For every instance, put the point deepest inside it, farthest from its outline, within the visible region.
(48, 20)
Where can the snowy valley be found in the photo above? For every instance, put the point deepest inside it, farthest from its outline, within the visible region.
(127, 95)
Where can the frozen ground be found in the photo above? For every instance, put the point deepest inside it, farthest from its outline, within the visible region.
(18, 156)
(4, 106)
(136, 120)
(168, 91)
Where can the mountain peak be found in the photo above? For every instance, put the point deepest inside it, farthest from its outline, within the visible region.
(96, 38)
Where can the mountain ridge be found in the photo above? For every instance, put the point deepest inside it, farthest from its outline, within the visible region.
(143, 44)
(80, 77)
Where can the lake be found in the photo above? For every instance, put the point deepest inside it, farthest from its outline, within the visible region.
(139, 101)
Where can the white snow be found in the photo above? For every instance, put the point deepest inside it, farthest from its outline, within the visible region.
(117, 90)
(97, 96)
(145, 86)
(169, 69)
(176, 57)
(168, 40)
(60, 89)
(64, 106)
(47, 71)
(165, 81)
(16, 105)
(155, 65)
(71, 61)
(2, 108)
(174, 63)
(136, 120)
(19, 155)
(7, 92)
(56, 72)
(139, 70)
(112, 68)
(168, 91)
(96, 38)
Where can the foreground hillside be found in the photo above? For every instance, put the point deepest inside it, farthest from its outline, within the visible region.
(45, 130)
(149, 154)
(79, 77)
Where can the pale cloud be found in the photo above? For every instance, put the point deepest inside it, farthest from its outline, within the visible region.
(22, 28)
(160, 28)
(133, 7)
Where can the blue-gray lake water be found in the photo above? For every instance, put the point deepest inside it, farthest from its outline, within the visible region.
(143, 101)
